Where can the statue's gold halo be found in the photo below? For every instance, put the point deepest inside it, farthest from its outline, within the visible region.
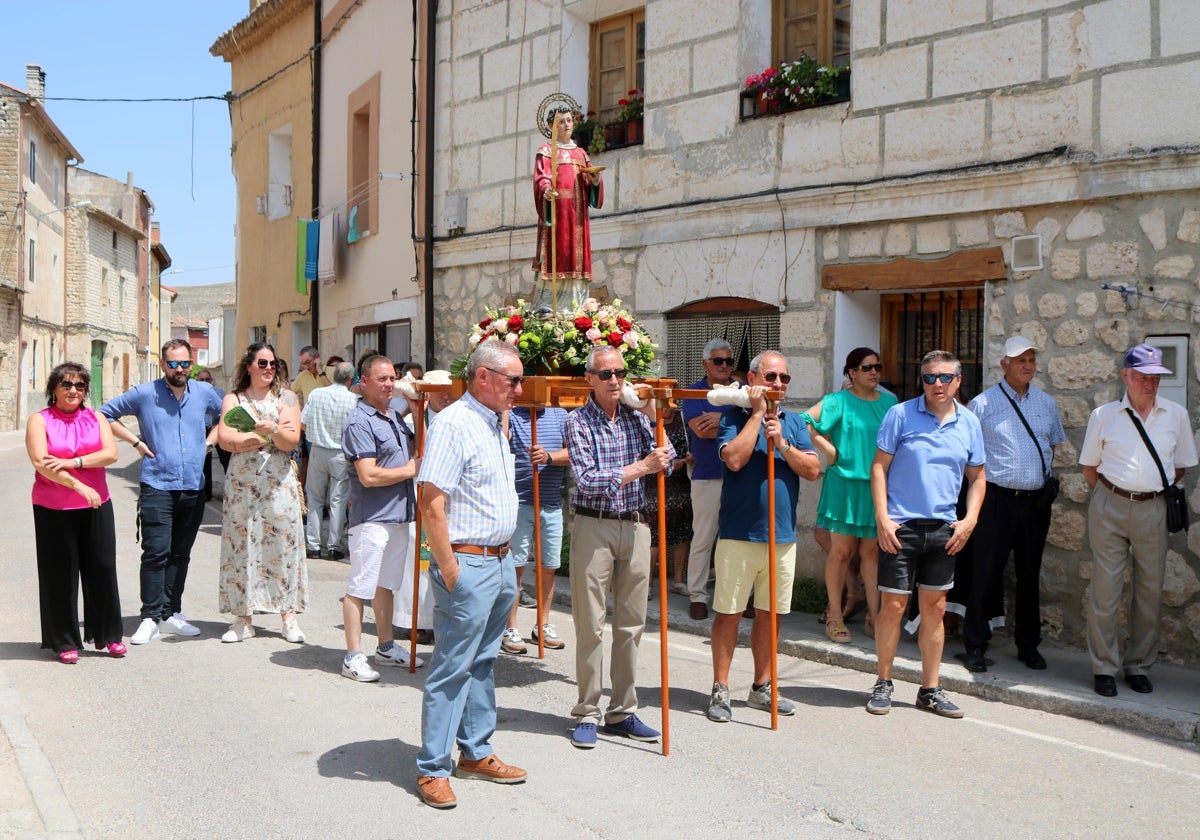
(545, 125)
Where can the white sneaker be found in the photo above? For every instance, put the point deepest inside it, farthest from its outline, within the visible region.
(355, 667)
(146, 631)
(394, 654)
(292, 631)
(178, 624)
(239, 631)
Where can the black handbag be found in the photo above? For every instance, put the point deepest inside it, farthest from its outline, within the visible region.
(1049, 491)
(1177, 509)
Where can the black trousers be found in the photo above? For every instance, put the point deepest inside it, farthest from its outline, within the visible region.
(1008, 524)
(73, 547)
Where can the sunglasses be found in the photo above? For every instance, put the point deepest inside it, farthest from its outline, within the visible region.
(606, 375)
(868, 368)
(782, 377)
(944, 378)
(265, 363)
(513, 381)
(185, 364)
(73, 386)
(721, 360)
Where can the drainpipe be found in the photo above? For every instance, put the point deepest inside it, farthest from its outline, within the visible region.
(430, 105)
(314, 295)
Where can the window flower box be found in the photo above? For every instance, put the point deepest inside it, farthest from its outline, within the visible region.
(794, 86)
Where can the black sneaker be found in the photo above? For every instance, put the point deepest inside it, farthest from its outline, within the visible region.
(881, 698)
(935, 700)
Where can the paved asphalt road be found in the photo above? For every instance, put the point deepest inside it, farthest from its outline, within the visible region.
(191, 738)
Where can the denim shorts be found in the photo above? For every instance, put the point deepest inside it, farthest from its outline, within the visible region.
(922, 560)
(521, 542)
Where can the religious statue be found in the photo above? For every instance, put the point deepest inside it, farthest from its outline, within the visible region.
(565, 185)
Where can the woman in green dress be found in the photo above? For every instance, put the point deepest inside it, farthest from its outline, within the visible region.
(849, 419)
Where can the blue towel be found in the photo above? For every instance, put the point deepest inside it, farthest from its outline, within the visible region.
(311, 238)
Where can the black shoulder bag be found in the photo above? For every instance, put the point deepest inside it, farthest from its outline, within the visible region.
(1177, 510)
(1049, 491)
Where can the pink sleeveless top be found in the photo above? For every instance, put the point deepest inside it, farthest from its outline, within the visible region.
(69, 435)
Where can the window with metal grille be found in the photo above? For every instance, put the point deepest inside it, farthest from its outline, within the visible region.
(913, 323)
(750, 327)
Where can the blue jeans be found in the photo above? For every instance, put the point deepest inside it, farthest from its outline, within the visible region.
(460, 689)
(169, 522)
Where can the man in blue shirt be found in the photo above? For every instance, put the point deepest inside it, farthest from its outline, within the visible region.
(549, 458)
(742, 559)
(924, 447)
(171, 414)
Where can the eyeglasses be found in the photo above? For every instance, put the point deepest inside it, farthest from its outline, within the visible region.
(185, 364)
(606, 375)
(513, 381)
(944, 378)
(772, 376)
(721, 360)
(868, 368)
(266, 363)
(73, 386)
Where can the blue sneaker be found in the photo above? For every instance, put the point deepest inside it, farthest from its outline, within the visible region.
(584, 736)
(633, 728)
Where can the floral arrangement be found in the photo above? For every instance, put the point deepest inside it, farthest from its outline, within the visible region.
(561, 342)
(633, 106)
(799, 82)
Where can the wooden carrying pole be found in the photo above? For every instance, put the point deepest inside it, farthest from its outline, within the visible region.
(771, 575)
(537, 537)
(419, 428)
(661, 396)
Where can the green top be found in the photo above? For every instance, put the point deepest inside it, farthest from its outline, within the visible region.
(851, 424)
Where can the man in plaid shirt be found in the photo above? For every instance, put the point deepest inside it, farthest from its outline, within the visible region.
(611, 449)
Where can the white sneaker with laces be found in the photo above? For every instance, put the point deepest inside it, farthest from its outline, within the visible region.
(292, 631)
(146, 631)
(356, 667)
(178, 624)
(239, 631)
(549, 636)
(394, 655)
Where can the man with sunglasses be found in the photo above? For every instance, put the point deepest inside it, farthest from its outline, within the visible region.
(171, 414)
(611, 448)
(924, 447)
(702, 422)
(741, 555)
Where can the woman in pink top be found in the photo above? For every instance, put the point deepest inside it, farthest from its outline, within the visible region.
(69, 446)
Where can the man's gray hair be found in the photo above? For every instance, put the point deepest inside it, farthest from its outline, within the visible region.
(343, 373)
(716, 344)
(596, 351)
(308, 351)
(934, 356)
(756, 362)
(490, 354)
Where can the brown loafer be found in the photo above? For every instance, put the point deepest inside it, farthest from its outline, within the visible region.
(436, 792)
(490, 769)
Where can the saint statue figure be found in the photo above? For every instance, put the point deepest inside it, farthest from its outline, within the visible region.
(565, 185)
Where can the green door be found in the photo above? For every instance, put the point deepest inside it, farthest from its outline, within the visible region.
(97, 396)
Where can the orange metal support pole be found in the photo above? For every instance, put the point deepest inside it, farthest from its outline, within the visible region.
(419, 428)
(537, 536)
(659, 439)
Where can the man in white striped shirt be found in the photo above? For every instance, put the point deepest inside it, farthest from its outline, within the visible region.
(324, 415)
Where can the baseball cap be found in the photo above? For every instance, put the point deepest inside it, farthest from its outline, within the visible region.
(1017, 345)
(1145, 358)
(436, 377)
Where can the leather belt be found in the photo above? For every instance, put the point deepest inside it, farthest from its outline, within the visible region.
(1016, 494)
(1129, 494)
(485, 550)
(622, 516)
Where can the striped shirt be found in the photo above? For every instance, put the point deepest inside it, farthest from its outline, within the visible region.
(1012, 457)
(324, 415)
(600, 449)
(468, 458)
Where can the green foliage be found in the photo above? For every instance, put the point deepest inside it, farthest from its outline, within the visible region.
(808, 595)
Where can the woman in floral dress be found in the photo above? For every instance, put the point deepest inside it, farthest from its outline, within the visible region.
(262, 544)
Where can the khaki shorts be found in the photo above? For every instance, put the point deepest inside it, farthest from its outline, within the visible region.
(744, 565)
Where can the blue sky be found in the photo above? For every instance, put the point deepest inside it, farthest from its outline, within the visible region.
(137, 48)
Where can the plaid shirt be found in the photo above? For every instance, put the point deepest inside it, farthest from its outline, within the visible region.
(468, 458)
(600, 449)
(325, 413)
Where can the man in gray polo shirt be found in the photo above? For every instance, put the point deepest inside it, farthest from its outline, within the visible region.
(382, 501)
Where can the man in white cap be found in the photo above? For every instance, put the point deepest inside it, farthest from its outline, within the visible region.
(1127, 516)
(1021, 429)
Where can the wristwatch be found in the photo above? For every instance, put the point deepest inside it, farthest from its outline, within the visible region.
(783, 450)
(78, 463)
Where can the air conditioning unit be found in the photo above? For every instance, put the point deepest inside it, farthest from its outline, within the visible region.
(1027, 253)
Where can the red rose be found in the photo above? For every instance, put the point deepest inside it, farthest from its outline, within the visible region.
(515, 323)
(485, 323)
(583, 323)
(624, 325)
(622, 102)
(615, 338)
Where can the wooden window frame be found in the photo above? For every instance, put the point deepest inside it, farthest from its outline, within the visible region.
(362, 154)
(946, 330)
(826, 15)
(634, 65)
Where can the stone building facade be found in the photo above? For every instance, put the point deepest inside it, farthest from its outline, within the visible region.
(1002, 167)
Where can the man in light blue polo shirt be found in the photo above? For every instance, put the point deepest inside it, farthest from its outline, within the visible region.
(171, 414)
(924, 447)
